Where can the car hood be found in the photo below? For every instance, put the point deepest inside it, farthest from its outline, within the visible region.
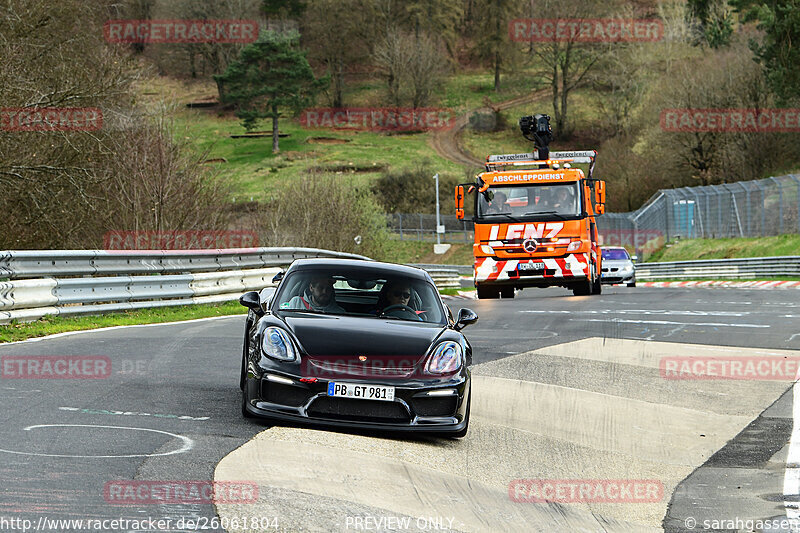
(342, 336)
(618, 263)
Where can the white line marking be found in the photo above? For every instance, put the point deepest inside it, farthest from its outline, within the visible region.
(638, 312)
(69, 333)
(791, 478)
(668, 323)
(188, 443)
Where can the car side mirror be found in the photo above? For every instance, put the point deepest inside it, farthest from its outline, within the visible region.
(465, 318)
(278, 277)
(634, 258)
(252, 302)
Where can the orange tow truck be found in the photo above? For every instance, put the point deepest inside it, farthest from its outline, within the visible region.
(534, 216)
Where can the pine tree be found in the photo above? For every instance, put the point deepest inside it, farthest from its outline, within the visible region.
(270, 75)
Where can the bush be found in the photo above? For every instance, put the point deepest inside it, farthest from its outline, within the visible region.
(323, 211)
(413, 190)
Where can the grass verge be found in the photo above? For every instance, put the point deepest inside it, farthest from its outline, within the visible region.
(55, 324)
(689, 249)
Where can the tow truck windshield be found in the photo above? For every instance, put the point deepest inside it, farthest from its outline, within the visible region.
(529, 201)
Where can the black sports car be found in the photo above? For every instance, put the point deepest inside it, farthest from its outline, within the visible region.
(358, 344)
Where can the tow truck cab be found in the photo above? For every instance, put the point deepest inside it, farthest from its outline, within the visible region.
(535, 223)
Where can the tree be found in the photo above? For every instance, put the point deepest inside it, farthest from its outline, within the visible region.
(271, 74)
(493, 42)
(413, 64)
(565, 62)
(337, 33)
(714, 22)
(780, 21)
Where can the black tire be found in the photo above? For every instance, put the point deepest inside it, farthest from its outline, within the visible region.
(507, 292)
(597, 287)
(584, 288)
(487, 293)
(463, 433)
(245, 412)
(245, 349)
(632, 284)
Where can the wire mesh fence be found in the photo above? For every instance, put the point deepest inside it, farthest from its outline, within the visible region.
(743, 209)
(422, 227)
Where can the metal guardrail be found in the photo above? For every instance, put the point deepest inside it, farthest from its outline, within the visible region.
(62, 263)
(444, 278)
(463, 270)
(42, 283)
(170, 278)
(746, 268)
(749, 268)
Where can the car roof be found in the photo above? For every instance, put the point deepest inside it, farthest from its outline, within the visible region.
(379, 268)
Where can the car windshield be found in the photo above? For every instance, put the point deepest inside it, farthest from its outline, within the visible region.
(339, 291)
(516, 202)
(614, 254)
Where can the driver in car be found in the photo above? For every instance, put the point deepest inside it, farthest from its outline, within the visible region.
(319, 297)
(396, 297)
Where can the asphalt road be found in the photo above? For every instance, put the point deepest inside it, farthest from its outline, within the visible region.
(169, 408)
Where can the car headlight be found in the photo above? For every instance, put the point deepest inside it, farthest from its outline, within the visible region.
(277, 344)
(445, 359)
(627, 268)
(574, 245)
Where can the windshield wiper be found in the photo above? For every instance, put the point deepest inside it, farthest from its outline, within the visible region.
(513, 219)
(555, 214)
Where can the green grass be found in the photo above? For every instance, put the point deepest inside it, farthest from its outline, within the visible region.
(49, 325)
(410, 251)
(255, 170)
(686, 250)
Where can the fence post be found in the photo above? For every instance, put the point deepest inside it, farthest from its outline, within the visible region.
(400, 218)
(780, 204)
(797, 183)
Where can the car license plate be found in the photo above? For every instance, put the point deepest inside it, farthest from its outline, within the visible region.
(362, 392)
(530, 266)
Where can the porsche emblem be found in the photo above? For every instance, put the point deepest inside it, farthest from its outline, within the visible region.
(362, 357)
(530, 245)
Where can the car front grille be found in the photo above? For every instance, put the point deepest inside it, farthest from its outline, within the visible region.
(349, 409)
(284, 394)
(434, 406)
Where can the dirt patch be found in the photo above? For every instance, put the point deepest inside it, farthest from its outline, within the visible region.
(216, 160)
(256, 135)
(326, 140)
(352, 169)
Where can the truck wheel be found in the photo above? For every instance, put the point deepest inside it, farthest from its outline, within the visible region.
(488, 293)
(507, 292)
(582, 289)
(597, 288)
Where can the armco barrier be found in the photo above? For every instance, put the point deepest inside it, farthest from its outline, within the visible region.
(62, 263)
(71, 282)
(445, 278)
(749, 268)
(125, 280)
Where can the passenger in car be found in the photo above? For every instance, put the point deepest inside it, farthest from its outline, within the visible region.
(319, 297)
